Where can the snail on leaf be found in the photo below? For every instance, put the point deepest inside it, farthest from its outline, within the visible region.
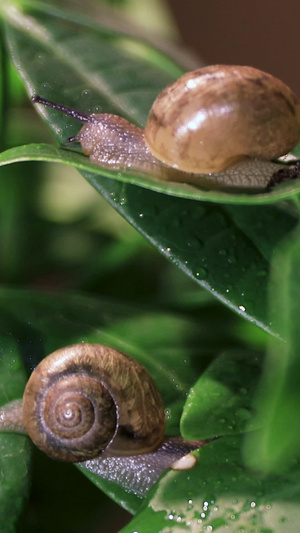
(92, 404)
(218, 126)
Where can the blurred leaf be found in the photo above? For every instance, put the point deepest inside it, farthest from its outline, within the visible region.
(219, 494)
(14, 449)
(221, 402)
(277, 443)
(172, 347)
(73, 60)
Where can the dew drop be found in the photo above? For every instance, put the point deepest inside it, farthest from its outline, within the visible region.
(167, 414)
(86, 92)
(242, 308)
(45, 86)
(201, 273)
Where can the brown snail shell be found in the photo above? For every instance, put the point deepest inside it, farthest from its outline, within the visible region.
(213, 117)
(87, 398)
(216, 126)
(92, 404)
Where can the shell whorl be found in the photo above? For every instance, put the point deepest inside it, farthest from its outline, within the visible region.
(87, 398)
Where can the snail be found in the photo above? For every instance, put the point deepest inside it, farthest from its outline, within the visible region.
(216, 126)
(92, 404)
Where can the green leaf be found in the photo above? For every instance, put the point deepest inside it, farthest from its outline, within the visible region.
(14, 449)
(171, 346)
(45, 152)
(74, 60)
(208, 242)
(219, 494)
(277, 443)
(221, 402)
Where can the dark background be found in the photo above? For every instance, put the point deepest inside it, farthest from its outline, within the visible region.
(261, 33)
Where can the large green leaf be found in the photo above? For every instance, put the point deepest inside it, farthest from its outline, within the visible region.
(14, 449)
(219, 494)
(221, 402)
(45, 152)
(277, 404)
(171, 346)
(74, 60)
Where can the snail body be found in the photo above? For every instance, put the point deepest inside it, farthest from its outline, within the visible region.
(218, 125)
(92, 404)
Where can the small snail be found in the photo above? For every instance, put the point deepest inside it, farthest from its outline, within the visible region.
(216, 126)
(91, 403)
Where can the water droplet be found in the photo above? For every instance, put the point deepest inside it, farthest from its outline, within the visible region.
(201, 273)
(253, 505)
(171, 517)
(86, 92)
(242, 308)
(46, 86)
(141, 215)
(167, 414)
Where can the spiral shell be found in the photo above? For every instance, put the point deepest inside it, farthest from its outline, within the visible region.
(87, 398)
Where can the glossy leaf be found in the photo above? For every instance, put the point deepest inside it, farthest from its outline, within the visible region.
(45, 152)
(172, 347)
(72, 59)
(14, 449)
(221, 402)
(219, 494)
(277, 404)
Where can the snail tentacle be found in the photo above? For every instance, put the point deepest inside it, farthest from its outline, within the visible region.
(219, 126)
(94, 405)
